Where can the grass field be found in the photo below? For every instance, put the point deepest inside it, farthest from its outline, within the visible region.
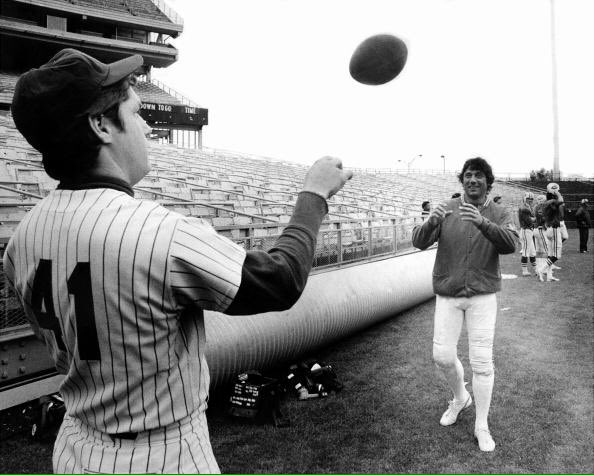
(386, 418)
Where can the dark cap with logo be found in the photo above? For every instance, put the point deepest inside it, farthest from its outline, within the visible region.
(47, 99)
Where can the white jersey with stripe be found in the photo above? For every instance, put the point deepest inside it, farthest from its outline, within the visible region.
(116, 286)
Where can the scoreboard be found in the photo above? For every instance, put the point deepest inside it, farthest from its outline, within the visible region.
(174, 114)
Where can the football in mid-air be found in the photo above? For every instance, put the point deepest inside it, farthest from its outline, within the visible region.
(378, 59)
(552, 187)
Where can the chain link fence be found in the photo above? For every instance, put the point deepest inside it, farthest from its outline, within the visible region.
(349, 241)
(11, 313)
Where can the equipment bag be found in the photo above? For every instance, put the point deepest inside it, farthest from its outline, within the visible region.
(256, 397)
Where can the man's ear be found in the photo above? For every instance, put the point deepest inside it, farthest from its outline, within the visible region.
(102, 128)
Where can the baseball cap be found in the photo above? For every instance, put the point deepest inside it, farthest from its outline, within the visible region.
(584, 201)
(48, 99)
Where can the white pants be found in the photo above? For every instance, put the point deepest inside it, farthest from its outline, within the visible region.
(183, 447)
(554, 238)
(527, 243)
(479, 312)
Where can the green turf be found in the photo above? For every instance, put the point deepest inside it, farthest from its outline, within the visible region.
(386, 418)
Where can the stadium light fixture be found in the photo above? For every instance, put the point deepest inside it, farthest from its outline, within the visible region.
(409, 163)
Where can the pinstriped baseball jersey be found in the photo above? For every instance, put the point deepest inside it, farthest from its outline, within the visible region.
(107, 280)
(178, 448)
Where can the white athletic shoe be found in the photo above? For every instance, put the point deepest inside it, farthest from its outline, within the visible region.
(450, 416)
(554, 267)
(485, 441)
(526, 272)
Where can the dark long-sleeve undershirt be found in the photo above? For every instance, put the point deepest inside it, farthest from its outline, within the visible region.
(274, 280)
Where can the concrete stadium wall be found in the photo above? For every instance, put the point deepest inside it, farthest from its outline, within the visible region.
(335, 304)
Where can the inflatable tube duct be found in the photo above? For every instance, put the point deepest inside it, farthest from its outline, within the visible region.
(335, 304)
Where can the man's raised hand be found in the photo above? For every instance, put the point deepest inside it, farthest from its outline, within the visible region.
(326, 177)
(439, 213)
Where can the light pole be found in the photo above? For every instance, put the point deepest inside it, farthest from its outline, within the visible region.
(556, 171)
(409, 163)
(443, 158)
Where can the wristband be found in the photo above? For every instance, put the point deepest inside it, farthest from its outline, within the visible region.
(315, 193)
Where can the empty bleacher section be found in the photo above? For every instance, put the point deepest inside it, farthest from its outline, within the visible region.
(245, 198)
(154, 12)
(249, 199)
(141, 8)
(7, 83)
(149, 92)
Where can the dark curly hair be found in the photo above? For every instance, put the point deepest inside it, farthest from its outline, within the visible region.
(478, 163)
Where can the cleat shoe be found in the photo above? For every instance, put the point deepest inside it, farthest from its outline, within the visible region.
(553, 279)
(554, 267)
(450, 416)
(485, 441)
(526, 273)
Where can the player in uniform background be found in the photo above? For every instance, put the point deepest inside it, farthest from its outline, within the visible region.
(471, 232)
(582, 218)
(117, 286)
(527, 220)
(554, 193)
(552, 233)
(540, 239)
(426, 209)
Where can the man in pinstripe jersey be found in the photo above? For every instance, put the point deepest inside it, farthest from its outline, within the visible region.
(117, 286)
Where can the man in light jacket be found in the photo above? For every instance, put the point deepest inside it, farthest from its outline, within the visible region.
(471, 232)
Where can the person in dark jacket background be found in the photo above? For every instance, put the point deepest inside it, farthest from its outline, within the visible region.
(471, 232)
(583, 221)
(426, 207)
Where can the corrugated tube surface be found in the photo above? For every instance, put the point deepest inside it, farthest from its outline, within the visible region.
(334, 305)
